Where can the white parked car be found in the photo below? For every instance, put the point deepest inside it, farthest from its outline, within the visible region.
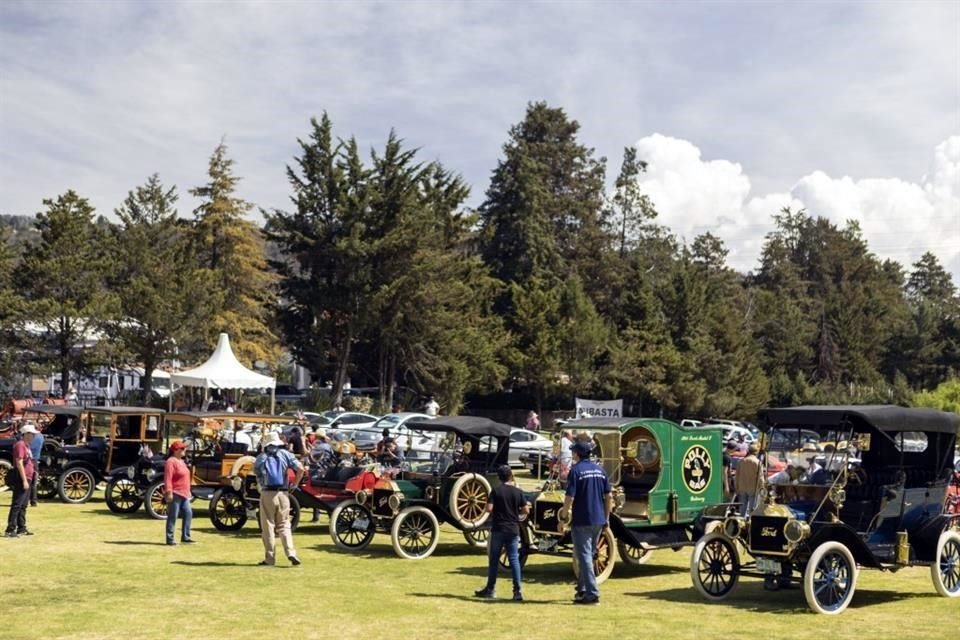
(523, 441)
(407, 439)
(345, 420)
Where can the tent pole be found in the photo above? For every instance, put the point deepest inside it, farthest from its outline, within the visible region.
(170, 398)
(273, 399)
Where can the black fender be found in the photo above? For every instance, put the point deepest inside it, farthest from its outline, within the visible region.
(839, 532)
(97, 474)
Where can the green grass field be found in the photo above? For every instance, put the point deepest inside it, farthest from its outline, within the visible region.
(88, 573)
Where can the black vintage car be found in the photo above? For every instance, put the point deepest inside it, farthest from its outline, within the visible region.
(115, 437)
(60, 425)
(873, 498)
(411, 501)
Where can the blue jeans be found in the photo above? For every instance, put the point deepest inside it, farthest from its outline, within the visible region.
(584, 547)
(174, 509)
(499, 540)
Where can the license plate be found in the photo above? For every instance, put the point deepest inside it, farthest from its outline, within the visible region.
(361, 524)
(766, 565)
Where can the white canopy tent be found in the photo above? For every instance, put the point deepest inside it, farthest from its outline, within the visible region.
(222, 370)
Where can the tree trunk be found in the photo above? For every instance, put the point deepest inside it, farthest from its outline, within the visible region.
(343, 363)
(391, 380)
(147, 383)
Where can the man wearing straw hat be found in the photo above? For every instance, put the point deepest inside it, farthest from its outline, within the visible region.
(271, 468)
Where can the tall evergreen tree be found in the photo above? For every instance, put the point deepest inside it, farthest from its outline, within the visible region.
(162, 292)
(543, 233)
(231, 248)
(62, 279)
(11, 312)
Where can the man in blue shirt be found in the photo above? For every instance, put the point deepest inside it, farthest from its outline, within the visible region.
(36, 447)
(271, 468)
(589, 500)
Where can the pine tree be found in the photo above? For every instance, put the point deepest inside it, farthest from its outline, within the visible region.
(161, 290)
(62, 279)
(231, 249)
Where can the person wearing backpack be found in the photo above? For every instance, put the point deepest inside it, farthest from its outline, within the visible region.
(271, 468)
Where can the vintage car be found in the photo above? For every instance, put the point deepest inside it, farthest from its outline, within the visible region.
(142, 482)
(826, 516)
(453, 486)
(60, 425)
(235, 496)
(115, 437)
(664, 477)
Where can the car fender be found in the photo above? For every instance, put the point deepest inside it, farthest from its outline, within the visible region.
(924, 537)
(82, 464)
(849, 538)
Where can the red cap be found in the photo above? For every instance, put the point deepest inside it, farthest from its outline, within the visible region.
(177, 445)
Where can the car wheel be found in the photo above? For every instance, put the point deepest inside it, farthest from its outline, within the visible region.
(227, 510)
(351, 526)
(523, 552)
(46, 486)
(76, 485)
(830, 578)
(604, 559)
(415, 533)
(153, 501)
(715, 566)
(468, 500)
(122, 496)
(477, 538)
(633, 556)
(945, 570)
(5, 468)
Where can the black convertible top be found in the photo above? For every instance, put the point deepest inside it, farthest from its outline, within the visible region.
(885, 417)
(55, 409)
(470, 425)
(126, 410)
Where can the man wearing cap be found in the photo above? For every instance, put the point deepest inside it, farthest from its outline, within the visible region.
(19, 479)
(271, 468)
(747, 480)
(507, 503)
(176, 492)
(589, 500)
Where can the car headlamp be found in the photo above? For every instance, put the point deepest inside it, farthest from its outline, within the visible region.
(733, 527)
(131, 473)
(362, 497)
(795, 531)
(395, 500)
(150, 474)
(237, 483)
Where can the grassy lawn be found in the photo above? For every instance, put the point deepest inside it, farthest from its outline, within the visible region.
(91, 574)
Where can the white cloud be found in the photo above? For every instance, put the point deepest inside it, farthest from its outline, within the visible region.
(900, 219)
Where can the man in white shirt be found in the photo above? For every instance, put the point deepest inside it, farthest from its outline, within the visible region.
(432, 409)
(565, 457)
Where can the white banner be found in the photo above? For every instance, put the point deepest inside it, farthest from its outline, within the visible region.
(599, 408)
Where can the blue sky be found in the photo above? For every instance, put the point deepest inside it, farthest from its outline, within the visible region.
(851, 109)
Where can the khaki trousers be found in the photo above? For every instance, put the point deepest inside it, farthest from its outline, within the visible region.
(275, 521)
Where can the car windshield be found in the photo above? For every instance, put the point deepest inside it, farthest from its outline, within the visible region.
(100, 425)
(812, 458)
(387, 422)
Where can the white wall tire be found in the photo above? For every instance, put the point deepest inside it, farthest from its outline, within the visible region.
(415, 533)
(344, 531)
(633, 556)
(468, 500)
(605, 558)
(715, 566)
(830, 578)
(945, 570)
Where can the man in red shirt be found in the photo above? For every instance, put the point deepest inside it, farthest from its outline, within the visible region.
(176, 492)
(19, 479)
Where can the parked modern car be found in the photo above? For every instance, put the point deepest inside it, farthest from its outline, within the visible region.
(817, 529)
(524, 443)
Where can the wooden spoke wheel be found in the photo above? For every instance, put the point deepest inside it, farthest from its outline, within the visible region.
(415, 533)
(478, 538)
(46, 486)
(76, 485)
(715, 566)
(603, 558)
(945, 570)
(228, 512)
(468, 500)
(633, 556)
(153, 501)
(5, 468)
(122, 496)
(351, 526)
(830, 578)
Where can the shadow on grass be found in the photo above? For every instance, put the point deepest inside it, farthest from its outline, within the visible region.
(211, 563)
(133, 515)
(486, 601)
(791, 600)
(387, 552)
(555, 573)
(135, 543)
